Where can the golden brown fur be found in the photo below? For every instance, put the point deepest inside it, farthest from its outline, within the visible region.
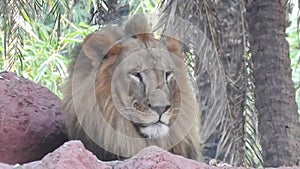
(97, 85)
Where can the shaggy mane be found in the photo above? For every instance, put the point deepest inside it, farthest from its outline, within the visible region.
(91, 75)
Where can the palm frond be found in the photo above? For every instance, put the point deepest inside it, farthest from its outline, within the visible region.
(252, 136)
(233, 46)
(220, 73)
(16, 20)
(108, 11)
(209, 73)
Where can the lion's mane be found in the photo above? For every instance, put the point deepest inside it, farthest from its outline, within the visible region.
(90, 113)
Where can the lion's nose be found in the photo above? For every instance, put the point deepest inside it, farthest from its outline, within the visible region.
(160, 109)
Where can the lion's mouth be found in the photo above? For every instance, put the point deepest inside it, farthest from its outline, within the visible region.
(153, 129)
(157, 129)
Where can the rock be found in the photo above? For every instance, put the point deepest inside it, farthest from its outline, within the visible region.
(71, 155)
(155, 157)
(5, 166)
(30, 120)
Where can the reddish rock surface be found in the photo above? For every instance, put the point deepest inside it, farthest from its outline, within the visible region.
(73, 155)
(30, 120)
(156, 158)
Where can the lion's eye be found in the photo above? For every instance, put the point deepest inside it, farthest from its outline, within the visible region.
(169, 76)
(136, 76)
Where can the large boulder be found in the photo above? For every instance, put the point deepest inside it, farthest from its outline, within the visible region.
(155, 157)
(30, 120)
(73, 155)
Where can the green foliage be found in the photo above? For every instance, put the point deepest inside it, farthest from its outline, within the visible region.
(1, 50)
(48, 32)
(44, 59)
(48, 38)
(146, 6)
(294, 42)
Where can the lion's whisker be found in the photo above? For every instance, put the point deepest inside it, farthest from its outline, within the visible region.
(128, 108)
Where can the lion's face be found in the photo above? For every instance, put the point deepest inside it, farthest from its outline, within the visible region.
(144, 87)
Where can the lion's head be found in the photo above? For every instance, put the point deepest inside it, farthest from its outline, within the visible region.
(128, 90)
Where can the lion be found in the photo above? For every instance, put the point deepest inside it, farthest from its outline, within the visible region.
(128, 90)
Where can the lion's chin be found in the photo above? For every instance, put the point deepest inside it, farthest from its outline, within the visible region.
(155, 130)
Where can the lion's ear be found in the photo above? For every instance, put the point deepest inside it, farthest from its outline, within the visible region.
(96, 46)
(173, 46)
(137, 26)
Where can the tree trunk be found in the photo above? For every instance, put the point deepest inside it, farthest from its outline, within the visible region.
(274, 90)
